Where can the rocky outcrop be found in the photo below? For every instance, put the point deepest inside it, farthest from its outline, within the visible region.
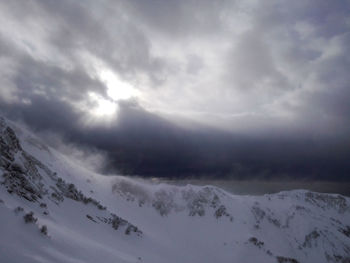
(23, 175)
(194, 202)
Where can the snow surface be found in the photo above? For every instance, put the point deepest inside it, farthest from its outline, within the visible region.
(129, 220)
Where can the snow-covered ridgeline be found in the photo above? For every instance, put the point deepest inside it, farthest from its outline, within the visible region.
(80, 216)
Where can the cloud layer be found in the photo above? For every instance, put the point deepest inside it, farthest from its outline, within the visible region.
(221, 87)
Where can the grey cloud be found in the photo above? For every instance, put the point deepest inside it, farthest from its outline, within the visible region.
(32, 78)
(253, 66)
(182, 18)
(55, 83)
(195, 64)
(278, 78)
(101, 30)
(297, 56)
(324, 100)
(106, 32)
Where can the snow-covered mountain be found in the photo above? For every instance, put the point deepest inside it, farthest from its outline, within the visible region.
(53, 210)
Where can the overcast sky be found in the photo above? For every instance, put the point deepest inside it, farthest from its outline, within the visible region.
(178, 88)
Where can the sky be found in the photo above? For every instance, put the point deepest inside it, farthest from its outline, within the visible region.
(219, 89)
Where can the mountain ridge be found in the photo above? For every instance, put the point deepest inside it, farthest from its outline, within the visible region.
(75, 215)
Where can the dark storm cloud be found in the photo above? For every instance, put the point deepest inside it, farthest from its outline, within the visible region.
(269, 81)
(144, 144)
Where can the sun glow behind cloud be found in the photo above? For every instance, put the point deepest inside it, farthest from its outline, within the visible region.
(102, 107)
(117, 89)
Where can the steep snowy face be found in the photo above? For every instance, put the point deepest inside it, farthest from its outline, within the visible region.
(34, 191)
(53, 210)
(30, 179)
(294, 226)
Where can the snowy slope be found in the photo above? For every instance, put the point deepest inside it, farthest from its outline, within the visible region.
(95, 218)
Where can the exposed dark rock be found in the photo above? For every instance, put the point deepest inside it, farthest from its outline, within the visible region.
(286, 260)
(256, 242)
(345, 231)
(56, 196)
(43, 230)
(21, 176)
(196, 207)
(310, 237)
(132, 228)
(258, 213)
(18, 183)
(11, 139)
(29, 218)
(118, 222)
(198, 202)
(18, 209)
(91, 218)
(328, 201)
(341, 259)
(215, 201)
(70, 191)
(337, 258)
(274, 221)
(222, 211)
(163, 202)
